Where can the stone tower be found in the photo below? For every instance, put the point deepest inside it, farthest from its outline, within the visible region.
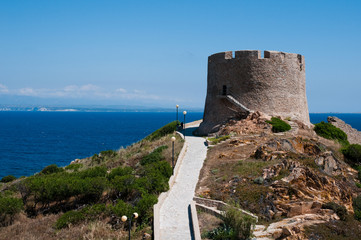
(242, 81)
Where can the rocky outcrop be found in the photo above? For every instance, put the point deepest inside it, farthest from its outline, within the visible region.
(353, 136)
(254, 123)
(292, 228)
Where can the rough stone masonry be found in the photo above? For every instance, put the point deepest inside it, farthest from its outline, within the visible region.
(242, 81)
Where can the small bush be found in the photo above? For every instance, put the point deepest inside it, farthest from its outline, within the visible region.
(241, 223)
(353, 153)
(71, 217)
(108, 153)
(53, 168)
(357, 207)
(327, 130)
(74, 166)
(279, 125)
(145, 206)
(122, 208)
(154, 156)
(222, 232)
(8, 178)
(167, 129)
(120, 171)
(341, 211)
(9, 207)
(93, 172)
(88, 213)
(217, 140)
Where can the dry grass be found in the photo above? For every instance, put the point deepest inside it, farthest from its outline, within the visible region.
(207, 222)
(41, 228)
(131, 155)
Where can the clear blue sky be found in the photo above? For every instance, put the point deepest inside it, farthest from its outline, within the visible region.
(154, 53)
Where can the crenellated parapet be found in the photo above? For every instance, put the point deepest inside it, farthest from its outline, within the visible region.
(256, 55)
(272, 82)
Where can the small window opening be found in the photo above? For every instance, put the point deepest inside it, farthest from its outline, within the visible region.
(224, 90)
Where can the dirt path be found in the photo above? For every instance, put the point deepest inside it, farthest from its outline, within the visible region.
(174, 214)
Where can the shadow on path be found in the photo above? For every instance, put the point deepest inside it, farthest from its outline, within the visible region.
(188, 131)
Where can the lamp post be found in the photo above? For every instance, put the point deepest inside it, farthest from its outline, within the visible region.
(173, 140)
(124, 219)
(184, 124)
(177, 106)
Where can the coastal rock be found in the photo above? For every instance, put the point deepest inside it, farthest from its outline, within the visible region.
(329, 164)
(353, 136)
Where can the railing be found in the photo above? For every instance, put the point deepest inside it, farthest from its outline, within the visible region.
(232, 97)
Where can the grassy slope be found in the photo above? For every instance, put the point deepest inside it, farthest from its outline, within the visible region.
(42, 227)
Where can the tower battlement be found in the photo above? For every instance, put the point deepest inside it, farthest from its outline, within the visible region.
(255, 54)
(274, 83)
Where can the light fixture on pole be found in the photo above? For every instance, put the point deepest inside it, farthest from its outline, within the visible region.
(125, 218)
(173, 140)
(184, 123)
(177, 106)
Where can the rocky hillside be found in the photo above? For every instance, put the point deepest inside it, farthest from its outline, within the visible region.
(296, 182)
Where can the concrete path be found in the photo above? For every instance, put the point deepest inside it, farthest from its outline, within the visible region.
(174, 213)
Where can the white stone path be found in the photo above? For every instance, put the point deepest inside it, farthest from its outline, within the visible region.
(174, 215)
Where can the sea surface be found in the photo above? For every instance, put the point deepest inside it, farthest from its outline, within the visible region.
(29, 141)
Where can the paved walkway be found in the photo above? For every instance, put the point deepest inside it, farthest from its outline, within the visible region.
(174, 213)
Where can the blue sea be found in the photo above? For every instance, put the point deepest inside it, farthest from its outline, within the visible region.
(29, 141)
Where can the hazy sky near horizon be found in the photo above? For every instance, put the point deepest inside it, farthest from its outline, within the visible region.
(154, 53)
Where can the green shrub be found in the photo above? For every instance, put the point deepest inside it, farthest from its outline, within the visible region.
(341, 211)
(74, 166)
(217, 140)
(8, 178)
(120, 171)
(108, 154)
(93, 188)
(222, 232)
(154, 156)
(279, 125)
(88, 213)
(167, 129)
(122, 208)
(71, 217)
(124, 185)
(9, 207)
(241, 223)
(357, 207)
(145, 206)
(327, 130)
(93, 172)
(53, 168)
(157, 175)
(353, 153)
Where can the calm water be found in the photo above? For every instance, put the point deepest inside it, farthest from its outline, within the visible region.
(29, 141)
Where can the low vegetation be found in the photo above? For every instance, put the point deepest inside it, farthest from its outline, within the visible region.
(353, 153)
(279, 125)
(8, 178)
(9, 207)
(357, 207)
(341, 211)
(217, 140)
(107, 185)
(167, 129)
(327, 130)
(235, 225)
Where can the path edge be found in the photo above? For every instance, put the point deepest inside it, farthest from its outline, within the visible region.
(163, 195)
